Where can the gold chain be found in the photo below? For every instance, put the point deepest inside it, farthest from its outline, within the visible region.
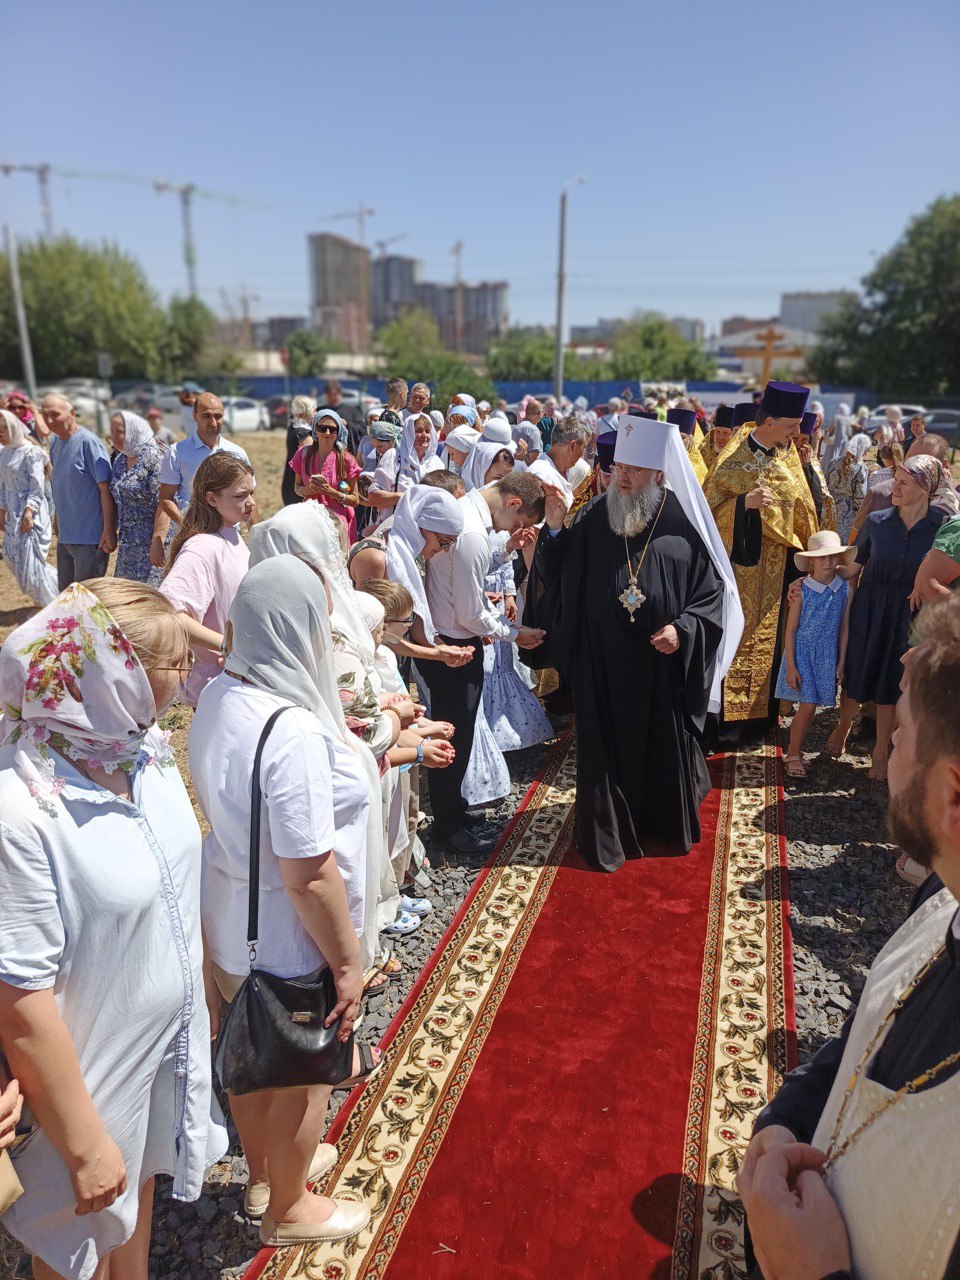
(833, 1151)
(635, 576)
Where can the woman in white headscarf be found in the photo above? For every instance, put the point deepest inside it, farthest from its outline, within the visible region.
(427, 522)
(418, 455)
(457, 447)
(847, 482)
(24, 513)
(309, 532)
(489, 461)
(135, 485)
(314, 869)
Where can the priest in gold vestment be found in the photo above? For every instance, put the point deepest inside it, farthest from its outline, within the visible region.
(765, 512)
(718, 437)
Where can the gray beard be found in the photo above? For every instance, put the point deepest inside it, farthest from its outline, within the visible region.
(630, 513)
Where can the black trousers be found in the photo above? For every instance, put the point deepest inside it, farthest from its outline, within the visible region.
(455, 694)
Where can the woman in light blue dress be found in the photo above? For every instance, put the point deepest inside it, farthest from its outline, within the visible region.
(24, 511)
(135, 486)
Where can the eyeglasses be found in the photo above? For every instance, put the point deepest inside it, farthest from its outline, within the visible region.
(327, 431)
(400, 622)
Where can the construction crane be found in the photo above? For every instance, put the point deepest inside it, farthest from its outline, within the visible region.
(42, 172)
(361, 213)
(457, 252)
(383, 245)
(186, 192)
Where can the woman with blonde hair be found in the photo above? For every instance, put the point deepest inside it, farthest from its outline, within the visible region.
(208, 558)
(103, 1016)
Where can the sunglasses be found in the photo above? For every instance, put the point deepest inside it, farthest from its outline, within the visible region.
(327, 431)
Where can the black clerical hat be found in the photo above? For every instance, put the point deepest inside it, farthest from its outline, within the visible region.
(723, 416)
(605, 447)
(745, 411)
(685, 419)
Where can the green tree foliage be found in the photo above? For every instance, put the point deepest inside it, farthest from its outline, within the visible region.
(649, 349)
(80, 300)
(191, 331)
(900, 337)
(521, 355)
(307, 354)
(410, 348)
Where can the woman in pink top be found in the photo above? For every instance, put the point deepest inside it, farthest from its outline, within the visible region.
(326, 472)
(208, 558)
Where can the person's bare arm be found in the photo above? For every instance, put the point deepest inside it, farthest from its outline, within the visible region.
(43, 1058)
(845, 633)
(108, 508)
(790, 642)
(317, 891)
(201, 637)
(934, 577)
(167, 510)
(382, 499)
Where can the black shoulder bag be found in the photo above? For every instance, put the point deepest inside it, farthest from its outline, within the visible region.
(273, 1035)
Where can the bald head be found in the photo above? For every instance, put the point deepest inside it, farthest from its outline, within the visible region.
(931, 443)
(208, 414)
(367, 563)
(58, 414)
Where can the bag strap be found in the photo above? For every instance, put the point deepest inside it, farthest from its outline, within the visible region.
(253, 911)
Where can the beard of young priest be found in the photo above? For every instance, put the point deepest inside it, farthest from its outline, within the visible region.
(641, 613)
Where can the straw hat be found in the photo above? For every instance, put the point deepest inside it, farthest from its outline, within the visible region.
(825, 543)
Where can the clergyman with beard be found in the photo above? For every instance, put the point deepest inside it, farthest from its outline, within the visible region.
(852, 1168)
(642, 616)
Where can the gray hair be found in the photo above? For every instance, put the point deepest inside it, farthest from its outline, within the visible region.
(419, 386)
(571, 431)
(303, 407)
(615, 405)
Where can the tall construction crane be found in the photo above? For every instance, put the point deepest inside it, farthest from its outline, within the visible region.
(186, 192)
(42, 172)
(383, 245)
(361, 213)
(457, 252)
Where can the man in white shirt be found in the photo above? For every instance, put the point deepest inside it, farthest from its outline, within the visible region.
(567, 444)
(463, 615)
(179, 466)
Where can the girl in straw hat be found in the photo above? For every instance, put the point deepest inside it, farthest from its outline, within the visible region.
(816, 639)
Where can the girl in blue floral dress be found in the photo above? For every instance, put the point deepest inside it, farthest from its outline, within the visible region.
(815, 643)
(135, 486)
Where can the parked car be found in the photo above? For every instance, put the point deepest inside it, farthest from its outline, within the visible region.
(945, 422)
(142, 395)
(351, 396)
(278, 407)
(907, 411)
(243, 414)
(93, 388)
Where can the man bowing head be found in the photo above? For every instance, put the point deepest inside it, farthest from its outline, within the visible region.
(644, 619)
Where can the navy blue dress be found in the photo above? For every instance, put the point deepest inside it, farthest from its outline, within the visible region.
(880, 616)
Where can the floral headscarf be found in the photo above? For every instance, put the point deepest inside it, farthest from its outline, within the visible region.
(932, 475)
(70, 680)
(137, 434)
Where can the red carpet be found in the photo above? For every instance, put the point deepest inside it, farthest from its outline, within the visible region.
(573, 1081)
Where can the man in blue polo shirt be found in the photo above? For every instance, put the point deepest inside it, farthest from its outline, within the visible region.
(179, 466)
(85, 517)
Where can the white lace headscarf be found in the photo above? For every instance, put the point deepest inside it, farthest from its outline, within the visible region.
(420, 508)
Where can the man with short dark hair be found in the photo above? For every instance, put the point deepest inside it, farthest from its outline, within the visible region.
(444, 480)
(396, 392)
(85, 517)
(462, 614)
(852, 1167)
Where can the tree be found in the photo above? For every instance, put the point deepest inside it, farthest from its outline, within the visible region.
(410, 348)
(81, 300)
(306, 354)
(191, 330)
(900, 337)
(648, 349)
(521, 355)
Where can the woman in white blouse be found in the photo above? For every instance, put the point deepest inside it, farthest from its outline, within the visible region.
(313, 876)
(102, 1011)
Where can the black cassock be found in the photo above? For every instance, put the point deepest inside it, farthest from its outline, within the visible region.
(640, 714)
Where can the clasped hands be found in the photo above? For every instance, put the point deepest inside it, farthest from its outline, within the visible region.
(795, 1225)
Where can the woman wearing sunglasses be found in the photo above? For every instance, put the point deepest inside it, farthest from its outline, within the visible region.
(326, 472)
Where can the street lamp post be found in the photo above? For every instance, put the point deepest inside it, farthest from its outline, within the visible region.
(561, 281)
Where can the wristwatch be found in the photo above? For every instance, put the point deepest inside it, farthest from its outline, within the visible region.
(420, 753)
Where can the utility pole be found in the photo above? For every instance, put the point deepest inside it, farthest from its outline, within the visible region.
(186, 192)
(561, 282)
(457, 252)
(26, 353)
(42, 172)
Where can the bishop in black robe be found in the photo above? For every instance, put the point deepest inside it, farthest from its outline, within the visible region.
(641, 773)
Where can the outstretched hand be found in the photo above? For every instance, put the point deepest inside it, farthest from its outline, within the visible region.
(666, 639)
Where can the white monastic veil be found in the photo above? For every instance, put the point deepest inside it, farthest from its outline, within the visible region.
(309, 531)
(668, 454)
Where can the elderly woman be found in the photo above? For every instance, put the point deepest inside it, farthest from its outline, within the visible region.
(24, 512)
(102, 1009)
(135, 485)
(326, 472)
(847, 482)
(313, 880)
(415, 457)
(303, 410)
(889, 550)
(458, 444)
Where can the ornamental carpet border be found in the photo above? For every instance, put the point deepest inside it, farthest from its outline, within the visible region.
(744, 1035)
(388, 1139)
(746, 1025)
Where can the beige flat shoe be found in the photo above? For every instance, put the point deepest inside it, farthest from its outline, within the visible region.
(348, 1219)
(257, 1195)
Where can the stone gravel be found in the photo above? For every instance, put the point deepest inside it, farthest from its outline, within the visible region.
(846, 900)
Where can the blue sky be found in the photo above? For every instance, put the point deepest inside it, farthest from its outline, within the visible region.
(731, 151)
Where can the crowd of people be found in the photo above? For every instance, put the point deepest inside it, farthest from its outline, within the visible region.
(677, 581)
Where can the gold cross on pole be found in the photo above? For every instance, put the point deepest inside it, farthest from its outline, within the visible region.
(769, 351)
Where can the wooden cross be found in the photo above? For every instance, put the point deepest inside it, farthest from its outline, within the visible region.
(769, 336)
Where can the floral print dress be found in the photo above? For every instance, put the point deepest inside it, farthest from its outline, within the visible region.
(22, 486)
(848, 489)
(136, 490)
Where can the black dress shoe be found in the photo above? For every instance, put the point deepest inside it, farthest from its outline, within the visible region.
(476, 818)
(470, 841)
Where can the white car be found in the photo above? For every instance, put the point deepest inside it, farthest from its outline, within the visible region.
(240, 413)
(94, 388)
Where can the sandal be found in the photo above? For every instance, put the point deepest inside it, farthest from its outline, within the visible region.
(387, 967)
(371, 1060)
(794, 767)
(415, 906)
(405, 923)
(911, 871)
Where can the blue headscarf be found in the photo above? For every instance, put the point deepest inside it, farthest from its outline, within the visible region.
(341, 425)
(465, 411)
